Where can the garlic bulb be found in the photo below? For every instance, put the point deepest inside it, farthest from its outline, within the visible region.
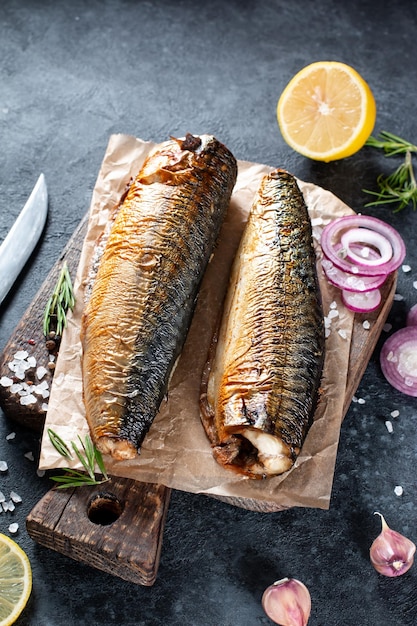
(391, 554)
(287, 602)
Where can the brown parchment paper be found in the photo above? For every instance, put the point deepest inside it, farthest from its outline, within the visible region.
(176, 452)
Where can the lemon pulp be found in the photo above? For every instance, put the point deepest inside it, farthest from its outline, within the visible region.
(15, 580)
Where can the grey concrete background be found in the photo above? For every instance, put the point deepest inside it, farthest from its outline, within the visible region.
(71, 74)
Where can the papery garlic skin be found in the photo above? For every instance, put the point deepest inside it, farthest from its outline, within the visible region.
(391, 553)
(287, 602)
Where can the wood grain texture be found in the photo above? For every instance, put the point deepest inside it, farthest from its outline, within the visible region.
(129, 547)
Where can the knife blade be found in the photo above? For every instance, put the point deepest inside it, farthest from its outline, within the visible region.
(23, 236)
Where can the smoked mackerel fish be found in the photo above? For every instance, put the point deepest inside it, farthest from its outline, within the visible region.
(261, 382)
(137, 317)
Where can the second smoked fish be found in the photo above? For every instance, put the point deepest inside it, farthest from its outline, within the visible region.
(261, 381)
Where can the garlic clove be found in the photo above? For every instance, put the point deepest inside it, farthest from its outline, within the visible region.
(287, 602)
(391, 553)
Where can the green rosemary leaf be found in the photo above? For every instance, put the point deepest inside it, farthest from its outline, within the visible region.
(59, 444)
(61, 300)
(84, 460)
(88, 448)
(100, 464)
(70, 474)
(75, 480)
(89, 457)
(90, 452)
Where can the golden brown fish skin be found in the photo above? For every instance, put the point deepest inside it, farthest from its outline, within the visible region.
(264, 368)
(143, 297)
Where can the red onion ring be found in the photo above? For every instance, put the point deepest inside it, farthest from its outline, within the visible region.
(348, 281)
(364, 302)
(366, 236)
(398, 360)
(332, 233)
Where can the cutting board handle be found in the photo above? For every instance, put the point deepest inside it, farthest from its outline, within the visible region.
(116, 527)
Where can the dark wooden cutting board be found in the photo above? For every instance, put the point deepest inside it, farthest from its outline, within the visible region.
(118, 527)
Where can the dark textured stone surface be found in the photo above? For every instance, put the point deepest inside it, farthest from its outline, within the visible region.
(72, 73)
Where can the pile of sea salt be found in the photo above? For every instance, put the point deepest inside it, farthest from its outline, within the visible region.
(29, 391)
(8, 505)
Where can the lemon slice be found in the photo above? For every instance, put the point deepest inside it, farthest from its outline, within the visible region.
(327, 111)
(15, 580)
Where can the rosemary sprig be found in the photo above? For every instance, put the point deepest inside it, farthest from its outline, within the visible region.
(89, 457)
(61, 300)
(400, 187)
(390, 144)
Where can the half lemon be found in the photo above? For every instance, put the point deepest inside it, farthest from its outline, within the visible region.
(15, 580)
(327, 111)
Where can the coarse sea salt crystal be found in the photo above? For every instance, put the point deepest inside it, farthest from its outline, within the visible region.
(333, 305)
(406, 268)
(42, 386)
(415, 284)
(20, 355)
(361, 400)
(342, 333)
(13, 528)
(389, 427)
(333, 313)
(398, 490)
(5, 381)
(29, 455)
(15, 497)
(16, 387)
(398, 297)
(27, 400)
(366, 324)
(395, 413)
(2, 497)
(41, 372)
(3, 466)
(20, 374)
(10, 436)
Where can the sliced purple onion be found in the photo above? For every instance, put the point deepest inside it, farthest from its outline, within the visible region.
(333, 232)
(398, 360)
(362, 255)
(350, 282)
(363, 302)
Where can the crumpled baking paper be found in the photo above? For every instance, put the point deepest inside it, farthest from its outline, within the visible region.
(176, 452)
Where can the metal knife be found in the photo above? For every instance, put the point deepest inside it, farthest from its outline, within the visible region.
(23, 236)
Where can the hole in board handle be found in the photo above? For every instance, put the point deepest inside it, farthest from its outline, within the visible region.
(104, 509)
